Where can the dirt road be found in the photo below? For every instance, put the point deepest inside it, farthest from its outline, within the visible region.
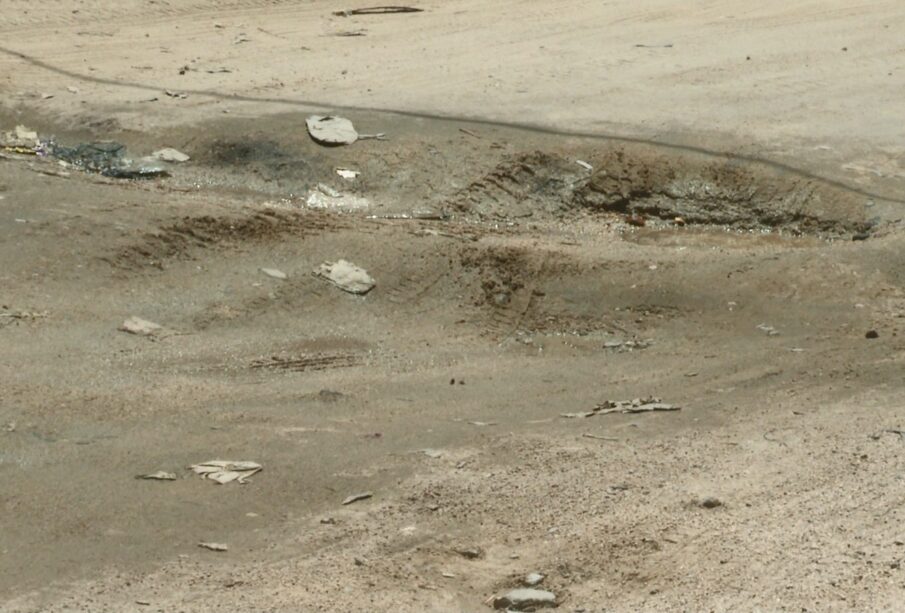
(701, 252)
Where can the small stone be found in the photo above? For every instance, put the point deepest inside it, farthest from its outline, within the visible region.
(533, 579)
(139, 326)
(872, 334)
(470, 553)
(525, 599)
(711, 503)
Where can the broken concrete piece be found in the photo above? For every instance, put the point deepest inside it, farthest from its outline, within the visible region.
(329, 130)
(226, 471)
(525, 599)
(346, 276)
(169, 154)
(142, 327)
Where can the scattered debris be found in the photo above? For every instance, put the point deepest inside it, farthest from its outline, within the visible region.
(158, 476)
(331, 131)
(525, 599)
(631, 345)
(214, 546)
(352, 33)
(109, 160)
(377, 10)
(346, 276)
(329, 395)
(643, 46)
(241, 38)
(319, 199)
(877, 436)
(533, 579)
(871, 334)
(72, 90)
(711, 503)
(470, 133)
(378, 136)
(173, 94)
(599, 438)
(637, 405)
(357, 497)
(142, 327)
(328, 191)
(769, 330)
(347, 174)
(169, 154)
(143, 603)
(470, 553)
(432, 453)
(584, 164)
(10, 427)
(328, 521)
(20, 138)
(276, 274)
(448, 575)
(225, 471)
(482, 424)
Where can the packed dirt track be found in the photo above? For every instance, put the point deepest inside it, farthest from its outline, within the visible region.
(628, 317)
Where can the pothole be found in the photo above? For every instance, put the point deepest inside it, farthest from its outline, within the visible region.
(664, 190)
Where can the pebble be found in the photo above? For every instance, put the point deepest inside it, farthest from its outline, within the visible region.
(711, 503)
(872, 334)
(533, 579)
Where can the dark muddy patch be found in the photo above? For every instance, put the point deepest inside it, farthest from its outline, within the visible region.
(644, 187)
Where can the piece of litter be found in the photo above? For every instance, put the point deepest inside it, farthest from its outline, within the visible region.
(482, 424)
(347, 174)
(638, 405)
(631, 345)
(142, 327)
(584, 164)
(159, 476)
(169, 154)
(226, 471)
(769, 330)
(525, 599)
(173, 94)
(377, 10)
(317, 199)
(72, 90)
(214, 546)
(276, 274)
(241, 38)
(357, 497)
(432, 453)
(449, 575)
(144, 603)
(533, 579)
(346, 276)
(599, 438)
(378, 136)
(329, 130)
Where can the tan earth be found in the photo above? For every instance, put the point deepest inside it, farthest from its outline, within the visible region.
(573, 203)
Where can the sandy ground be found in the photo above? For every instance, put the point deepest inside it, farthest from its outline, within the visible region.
(506, 275)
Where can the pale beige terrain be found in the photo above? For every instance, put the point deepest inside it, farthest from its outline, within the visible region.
(505, 272)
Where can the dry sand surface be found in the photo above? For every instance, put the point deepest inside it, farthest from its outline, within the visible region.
(731, 243)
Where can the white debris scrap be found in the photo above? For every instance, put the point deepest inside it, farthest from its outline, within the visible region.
(142, 327)
(329, 130)
(159, 476)
(225, 471)
(346, 276)
(274, 273)
(349, 175)
(169, 154)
